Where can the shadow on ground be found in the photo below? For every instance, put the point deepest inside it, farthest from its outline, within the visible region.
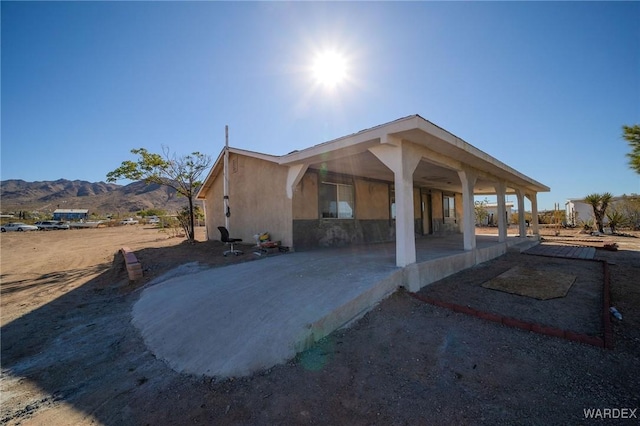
(403, 362)
(81, 348)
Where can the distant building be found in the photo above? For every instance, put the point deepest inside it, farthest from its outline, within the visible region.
(578, 211)
(71, 214)
(492, 214)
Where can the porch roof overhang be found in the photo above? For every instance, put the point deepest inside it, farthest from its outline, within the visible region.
(444, 154)
(218, 167)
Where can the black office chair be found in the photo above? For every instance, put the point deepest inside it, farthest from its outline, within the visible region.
(224, 237)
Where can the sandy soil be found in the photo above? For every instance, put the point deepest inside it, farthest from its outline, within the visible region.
(71, 356)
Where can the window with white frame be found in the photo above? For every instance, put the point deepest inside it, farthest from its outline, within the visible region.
(449, 206)
(336, 200)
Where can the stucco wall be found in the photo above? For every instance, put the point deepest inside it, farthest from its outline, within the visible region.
(459, 212)
(258, 203)
(257, 199)
(442, 225)
(417, 207)
(214, 209)
(417, 212)
(340, 232)
(372, 199)
(371, 222)
(305, 197)
(437, 218)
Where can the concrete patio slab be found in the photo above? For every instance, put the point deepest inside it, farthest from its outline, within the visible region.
(238, 319)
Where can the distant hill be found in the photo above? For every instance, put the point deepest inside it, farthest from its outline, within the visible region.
(99, 197)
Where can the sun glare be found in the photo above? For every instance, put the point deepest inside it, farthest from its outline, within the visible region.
(329, 68)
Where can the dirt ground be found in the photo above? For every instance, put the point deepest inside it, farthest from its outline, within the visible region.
(71, 356)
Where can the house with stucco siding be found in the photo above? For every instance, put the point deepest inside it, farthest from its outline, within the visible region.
(395, 182)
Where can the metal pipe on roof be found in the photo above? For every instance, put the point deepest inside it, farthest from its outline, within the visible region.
(227, 211)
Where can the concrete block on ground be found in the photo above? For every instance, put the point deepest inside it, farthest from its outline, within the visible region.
(134, 268)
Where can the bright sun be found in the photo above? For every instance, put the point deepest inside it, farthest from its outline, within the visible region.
(329, 68)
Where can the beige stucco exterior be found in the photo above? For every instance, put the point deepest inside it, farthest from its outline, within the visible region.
(372, 199)
(411, 160)
(305, 198)
(258, 203)
(258, 200)
(213, 208)
(437, 208)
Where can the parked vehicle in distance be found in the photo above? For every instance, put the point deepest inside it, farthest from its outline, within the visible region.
(154, 219)
(17, 226)
(51, 224)
(128, 221)
(85, 224)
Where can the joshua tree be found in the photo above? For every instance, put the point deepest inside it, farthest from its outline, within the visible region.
(615, 218)
(599, 203)
(632, 135)
(629, 206)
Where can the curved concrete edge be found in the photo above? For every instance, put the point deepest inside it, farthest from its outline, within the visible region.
(239, 319)
(347, 314)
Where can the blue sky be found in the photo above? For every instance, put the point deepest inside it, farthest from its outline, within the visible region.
(544, 87)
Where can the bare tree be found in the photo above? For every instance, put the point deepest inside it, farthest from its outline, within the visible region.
(180, 173)
(480, 208)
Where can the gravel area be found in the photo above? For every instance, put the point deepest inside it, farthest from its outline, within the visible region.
(70, 354)
(580, 311)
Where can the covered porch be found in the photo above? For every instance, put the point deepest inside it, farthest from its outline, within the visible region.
(436, 256)
(416, 156)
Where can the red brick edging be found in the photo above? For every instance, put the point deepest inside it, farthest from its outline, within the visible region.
(606, 302)
(606, 342)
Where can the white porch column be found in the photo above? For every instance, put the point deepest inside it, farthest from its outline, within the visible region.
(521, 225)
(294, 175)
(403, 161)
(502, 220)
(534, 213)
(468, 179)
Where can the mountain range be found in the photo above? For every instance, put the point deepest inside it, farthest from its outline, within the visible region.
(98, 197)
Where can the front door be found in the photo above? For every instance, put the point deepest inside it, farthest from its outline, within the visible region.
(425, 201)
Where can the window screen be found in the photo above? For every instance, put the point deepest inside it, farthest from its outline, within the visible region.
(336, 200)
